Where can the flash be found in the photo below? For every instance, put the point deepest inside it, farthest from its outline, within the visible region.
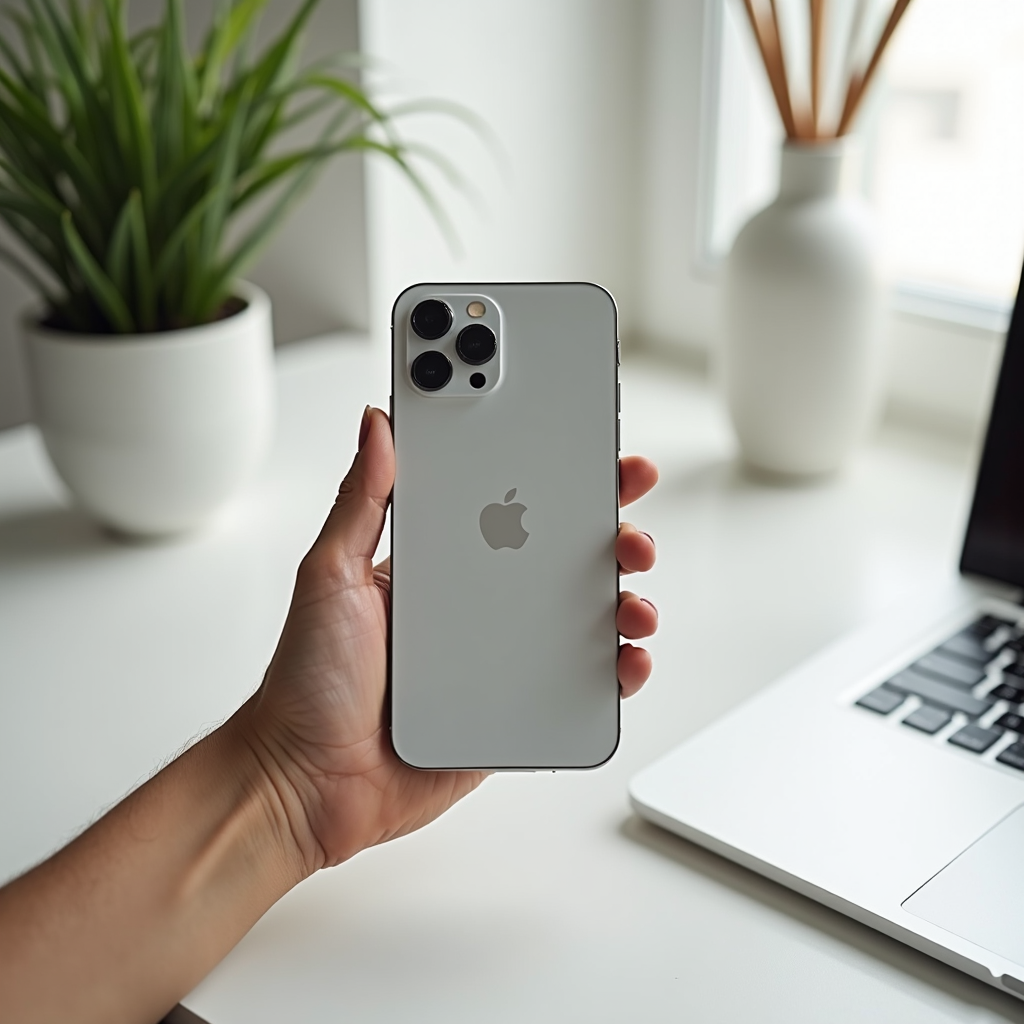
(476, 309)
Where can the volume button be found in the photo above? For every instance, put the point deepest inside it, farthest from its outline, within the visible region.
(618, 443)
(618, 398)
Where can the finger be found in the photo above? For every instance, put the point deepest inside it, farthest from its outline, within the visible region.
(637, 476)
(634, 669)
(634, 549)
(635, 617)
(382, 575)
(355, 522)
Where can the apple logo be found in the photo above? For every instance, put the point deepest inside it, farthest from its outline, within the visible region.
(502, 525)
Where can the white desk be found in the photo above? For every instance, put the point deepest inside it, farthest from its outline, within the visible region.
(540, 897)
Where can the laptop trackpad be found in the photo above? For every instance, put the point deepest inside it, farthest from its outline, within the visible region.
(977, 896)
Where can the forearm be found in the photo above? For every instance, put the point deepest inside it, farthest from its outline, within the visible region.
(121, 923)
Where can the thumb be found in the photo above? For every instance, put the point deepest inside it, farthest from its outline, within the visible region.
(355, 522)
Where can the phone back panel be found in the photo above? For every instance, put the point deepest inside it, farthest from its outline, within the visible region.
(506, 657)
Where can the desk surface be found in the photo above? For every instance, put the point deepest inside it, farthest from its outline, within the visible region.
(540, 897)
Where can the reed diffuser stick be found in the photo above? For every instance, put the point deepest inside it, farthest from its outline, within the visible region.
(774, 39)
(854, 38)
(817, 42)
(770, 55)
(802, 116)
(859, 84)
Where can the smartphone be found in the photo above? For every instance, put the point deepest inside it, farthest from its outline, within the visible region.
(504, 582)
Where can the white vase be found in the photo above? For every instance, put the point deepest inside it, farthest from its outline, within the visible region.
(803, 319)
(154, 433)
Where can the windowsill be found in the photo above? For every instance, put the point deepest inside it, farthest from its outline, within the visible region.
(944, 349)
(952, 308)
(939, 380)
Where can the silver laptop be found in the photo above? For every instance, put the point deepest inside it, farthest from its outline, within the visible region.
(885, 778)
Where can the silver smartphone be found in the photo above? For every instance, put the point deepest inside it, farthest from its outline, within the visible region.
(504, 581)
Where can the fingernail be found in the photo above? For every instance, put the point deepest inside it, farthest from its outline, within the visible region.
(648, 536)
(364, 427)
(645, 601)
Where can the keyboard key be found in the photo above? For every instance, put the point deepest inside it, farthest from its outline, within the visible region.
(882, 700)
(975, 738)
(987, 625)
(1004, 691)
(928, 719)
(969, 647)
(942, 694)
(1013, 755)
(1011, 721)
(949, 670)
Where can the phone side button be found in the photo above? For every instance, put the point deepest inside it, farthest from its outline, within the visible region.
(618, 398)
(618, 443)
(391, 408)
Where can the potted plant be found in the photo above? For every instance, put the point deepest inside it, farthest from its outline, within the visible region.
(124, 161)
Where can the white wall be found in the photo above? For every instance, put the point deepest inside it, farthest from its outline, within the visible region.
(560, 83)
(678, 305)
(315, 269)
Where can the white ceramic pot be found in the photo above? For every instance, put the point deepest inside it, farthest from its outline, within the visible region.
(802, 319)
(154, 433)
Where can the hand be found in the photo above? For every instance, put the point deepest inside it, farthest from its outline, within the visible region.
(317, 723)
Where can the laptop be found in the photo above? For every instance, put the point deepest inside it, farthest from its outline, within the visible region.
(885, 777)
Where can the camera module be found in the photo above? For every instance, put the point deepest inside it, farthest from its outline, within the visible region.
(476, 344)
(431, 371)
(431, 319)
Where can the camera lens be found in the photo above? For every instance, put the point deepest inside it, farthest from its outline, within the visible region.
(431, 371)
(431, 319)
(476, 344)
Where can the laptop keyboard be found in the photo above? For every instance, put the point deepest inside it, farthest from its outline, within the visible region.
(968, 691)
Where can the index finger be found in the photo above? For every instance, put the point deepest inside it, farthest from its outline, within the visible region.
(637, 476)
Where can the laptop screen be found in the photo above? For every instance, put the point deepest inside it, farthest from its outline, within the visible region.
(994, 545)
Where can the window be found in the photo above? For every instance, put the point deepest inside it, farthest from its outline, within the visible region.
(943, 152)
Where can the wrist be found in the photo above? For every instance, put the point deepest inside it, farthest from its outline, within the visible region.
(272, 776)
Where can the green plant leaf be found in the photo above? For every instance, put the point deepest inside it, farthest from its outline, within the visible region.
(39, 152)
(174, 247)
(221, 188)
(31, 191)
(125, 159)
(397, 155)
(174, 112)
(93, 130)
(116, 260)
(142, 263)
(270, 172)
(43, 221)
(18, 71)
(232, 23)
(278, 56)
(39, 239)
(30, 72)
(129, 111)
(256, 238)
(103, 290)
